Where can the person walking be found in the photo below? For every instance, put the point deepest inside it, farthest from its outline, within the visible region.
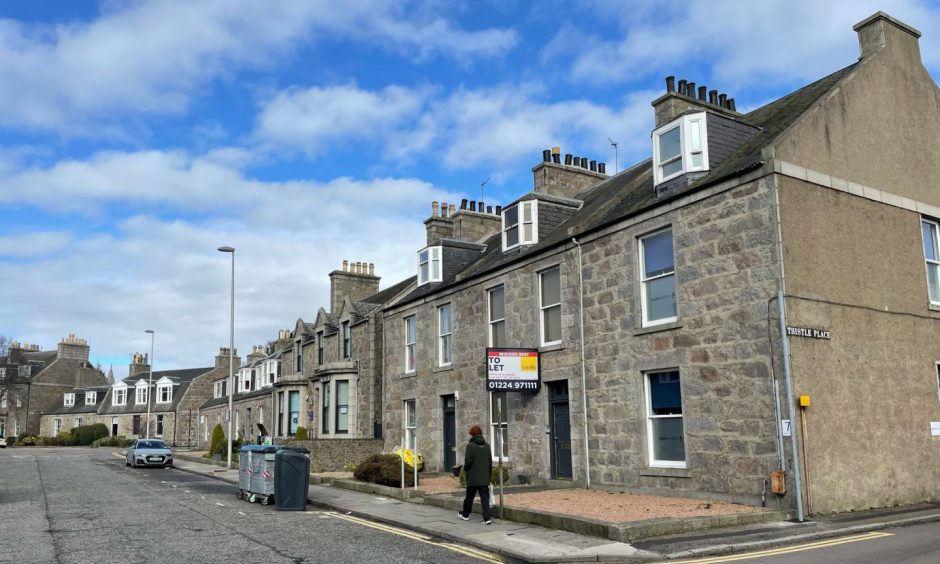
(478, 465)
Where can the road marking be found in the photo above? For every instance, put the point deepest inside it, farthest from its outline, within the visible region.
(485, 556)
(789, 549)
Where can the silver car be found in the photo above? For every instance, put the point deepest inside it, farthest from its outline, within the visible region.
(149, 452)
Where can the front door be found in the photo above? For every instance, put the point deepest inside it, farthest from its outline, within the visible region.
(114, 426)
(560, 427)
(450, 431)
(137, 425)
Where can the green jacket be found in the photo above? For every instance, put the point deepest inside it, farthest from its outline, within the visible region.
(478, 462)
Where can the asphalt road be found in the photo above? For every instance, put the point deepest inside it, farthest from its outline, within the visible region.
(83, 505)
(919, 544)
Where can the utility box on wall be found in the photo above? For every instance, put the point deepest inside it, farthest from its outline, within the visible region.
(778, 482)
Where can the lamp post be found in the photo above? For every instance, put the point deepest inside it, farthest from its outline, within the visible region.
(149, 380)
(231, 354)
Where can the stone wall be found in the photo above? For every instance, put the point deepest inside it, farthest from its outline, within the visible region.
(332, 455)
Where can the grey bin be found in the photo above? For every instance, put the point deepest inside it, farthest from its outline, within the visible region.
(291, 478)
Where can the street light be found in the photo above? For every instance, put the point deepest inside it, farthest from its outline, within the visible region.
(231, 354)
(149, 380)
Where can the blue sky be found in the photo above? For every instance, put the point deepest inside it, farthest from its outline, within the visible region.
(138, 136)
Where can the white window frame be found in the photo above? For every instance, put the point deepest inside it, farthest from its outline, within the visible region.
(16, 426)
(298, 357)
(932, 264)
(644, 281)
(69, 400)
(119, 396)
(693, 140)
(411, 346)
(533, 208)
(166, 389)
(325, 407)
(19, 400)
(491, 322)
(434, 263)
(137, 394)
(650, 417)
(3, 400)
(341, 408)
(410, 423)
(77, 423)
(544, 308)
(496, 427)
(91, 398)
(56, 427)
(445, 348)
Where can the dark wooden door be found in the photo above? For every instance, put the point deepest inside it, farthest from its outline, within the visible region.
(560, 427)
(137, 425)
(450, 431)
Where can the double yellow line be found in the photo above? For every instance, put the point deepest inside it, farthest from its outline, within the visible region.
(485, 556)
(788, 549)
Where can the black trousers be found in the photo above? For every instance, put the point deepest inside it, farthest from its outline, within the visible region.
(472, 491)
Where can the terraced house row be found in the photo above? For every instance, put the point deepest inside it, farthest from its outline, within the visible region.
(749, 314)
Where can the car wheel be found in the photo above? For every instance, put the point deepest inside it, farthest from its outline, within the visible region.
(265, 500)
(168, 466)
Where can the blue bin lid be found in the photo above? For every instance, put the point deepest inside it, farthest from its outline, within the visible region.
(259, 448)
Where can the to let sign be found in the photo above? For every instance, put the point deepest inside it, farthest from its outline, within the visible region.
(512, 370)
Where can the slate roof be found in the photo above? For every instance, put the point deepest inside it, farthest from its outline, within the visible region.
(80, 407)
(181, 380)
(631, 191)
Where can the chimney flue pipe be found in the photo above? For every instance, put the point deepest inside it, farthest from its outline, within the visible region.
(670, 83)
(731, 104)
(546, 155)
(602, 168)
(568, 159)
(682, 83)
(593, 166)
(722, 100)
(473, 205)
(713, 97)
(463, 204)
(702, 92)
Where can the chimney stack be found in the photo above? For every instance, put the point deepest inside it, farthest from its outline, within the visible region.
(687, 97)
(360, 283)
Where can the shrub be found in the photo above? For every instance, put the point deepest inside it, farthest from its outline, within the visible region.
(87, 434)
(301, 434)
(494, 476)
(112, 442)
(218, 443)
(384, 469)
(27, 440)
(350, 467)
(64, 438)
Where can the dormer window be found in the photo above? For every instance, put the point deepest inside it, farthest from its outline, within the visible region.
(141, 392)
(164, 392)
(520, 225)
(679, 147)
(119, 395)
(69, 400)
(429, 265)
(91, 398)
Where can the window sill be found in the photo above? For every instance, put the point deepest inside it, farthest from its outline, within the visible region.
(437, 369)
(552, 347)
(933, 307)
(662, 472)
(658, 328)
(408, 375)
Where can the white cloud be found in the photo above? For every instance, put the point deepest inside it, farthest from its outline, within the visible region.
(777, 41)
(153, 56)
(310, 118)
(160, 269)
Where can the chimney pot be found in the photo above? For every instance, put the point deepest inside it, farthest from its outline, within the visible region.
(473, 206)
(556, 150)
(713, 97)
(682, 83)
(702, 92)
(722, 99)
(568, 159)
(594, 166)
(602, 168)
(434, 206)
(358, 267)
(372, 269)
(489, 209)
(463, 204)
(670, 83)
(556, 158)
(546, 155)
(690, 89)
(584, 162)
(480, 206)
(452, 210)
(499, 210)
(731, 104)
(345, 265)
(443, 209)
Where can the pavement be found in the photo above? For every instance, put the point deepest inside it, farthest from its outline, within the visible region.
(520, 542)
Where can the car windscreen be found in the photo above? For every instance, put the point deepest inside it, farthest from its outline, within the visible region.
(151, 444)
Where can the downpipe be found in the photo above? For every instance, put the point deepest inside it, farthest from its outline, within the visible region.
(587, 450)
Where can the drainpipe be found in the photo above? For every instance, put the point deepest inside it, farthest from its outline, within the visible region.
(587, 450)
(787, 374)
